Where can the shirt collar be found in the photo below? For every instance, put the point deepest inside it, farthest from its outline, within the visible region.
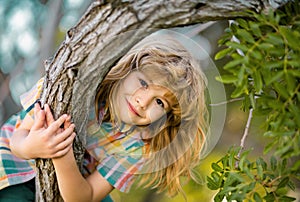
(124, 128)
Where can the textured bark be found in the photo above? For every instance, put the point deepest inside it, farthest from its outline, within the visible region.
(91, 48)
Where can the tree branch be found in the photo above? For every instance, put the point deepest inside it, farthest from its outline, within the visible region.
(246, 131)
(226, 102)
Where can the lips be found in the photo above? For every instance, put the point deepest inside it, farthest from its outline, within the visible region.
(132, 109)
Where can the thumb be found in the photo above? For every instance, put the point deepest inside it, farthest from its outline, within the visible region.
(39, 117)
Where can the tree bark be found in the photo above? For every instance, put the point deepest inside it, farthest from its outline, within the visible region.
(104, 33)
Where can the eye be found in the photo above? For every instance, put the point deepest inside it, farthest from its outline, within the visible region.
(160, 103)
(143, 83)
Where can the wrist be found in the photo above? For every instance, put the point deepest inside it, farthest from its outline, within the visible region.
(27, 149)
(68, 157)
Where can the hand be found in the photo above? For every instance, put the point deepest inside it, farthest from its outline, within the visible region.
(46, 138)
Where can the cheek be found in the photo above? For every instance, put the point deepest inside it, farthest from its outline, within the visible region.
(155, 113)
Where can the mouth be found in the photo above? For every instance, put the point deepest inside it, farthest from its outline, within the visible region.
(132, 109)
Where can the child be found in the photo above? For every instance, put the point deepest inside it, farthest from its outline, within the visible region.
(148, 124)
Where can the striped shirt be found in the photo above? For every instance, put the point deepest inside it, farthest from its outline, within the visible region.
(115, 152)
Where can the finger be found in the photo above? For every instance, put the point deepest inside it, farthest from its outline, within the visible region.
(61, 137)
(62, 152)
(49, 115)
(39, 117)
(67, 142)
(68, 122)
(53, 128)
(37, 109)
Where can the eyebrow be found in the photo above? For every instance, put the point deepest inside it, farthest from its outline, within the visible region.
(145, 77)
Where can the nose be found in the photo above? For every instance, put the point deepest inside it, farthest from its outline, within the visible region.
(144, 99)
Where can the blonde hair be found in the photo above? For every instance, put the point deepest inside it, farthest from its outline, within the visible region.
(176, 146)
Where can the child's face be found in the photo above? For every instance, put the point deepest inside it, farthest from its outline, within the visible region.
(140, 101)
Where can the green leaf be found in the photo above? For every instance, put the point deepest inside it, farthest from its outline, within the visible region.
(247, 171)
(257, 79)
(273, 64)
(283, 182)
(274, 38)
(240, 76)
(275, 77)
(265, 46)
(277, 52)
(237, 46)
(292, 37)
(211, 184)
(221, 54)
(270, 146)
(281, 90)
(295, 110)
(286, 199)
(255, 28)
(294, 63)
(234, 63)
(230, 182)
(282, 166)
(295, 73)
(239, 91)
(273, 161)
(284, 151)
(261, 162)
(257, 197)
(270, 197)
(281, 191)
(291, 185)
(219, 197)
(243, 160)
(291, 83)
(237, 177)
(227, 79)
(246, 36)
(231, 160)
(256, 54)
(260, 172)
(252, 100)
(242, 22)
(216, 167)
(217, 178)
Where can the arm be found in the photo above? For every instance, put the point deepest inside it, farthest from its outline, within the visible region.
(73, 186)
(42, 137)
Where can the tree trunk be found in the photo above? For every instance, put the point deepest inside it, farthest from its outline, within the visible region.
(105, 32)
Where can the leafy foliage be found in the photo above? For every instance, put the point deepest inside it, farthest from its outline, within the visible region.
(243, 180)
(265, 71)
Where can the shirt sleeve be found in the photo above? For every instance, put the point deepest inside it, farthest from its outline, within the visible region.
(29, 98)
(120, 171)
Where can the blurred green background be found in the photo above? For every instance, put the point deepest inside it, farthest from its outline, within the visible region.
(31, 31)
